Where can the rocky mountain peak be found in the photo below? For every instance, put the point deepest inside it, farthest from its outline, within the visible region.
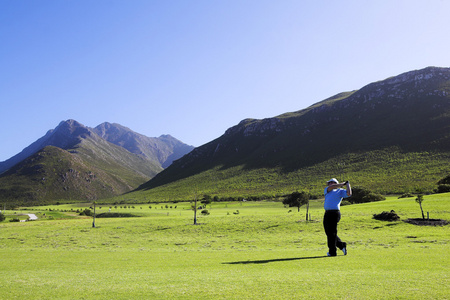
(68, 133)
(108, 130)
(72, 127)
(426, 82)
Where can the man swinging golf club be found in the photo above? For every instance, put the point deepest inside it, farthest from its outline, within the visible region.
(334, 193)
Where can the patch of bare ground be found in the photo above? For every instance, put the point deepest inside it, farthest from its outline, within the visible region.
(427, 222)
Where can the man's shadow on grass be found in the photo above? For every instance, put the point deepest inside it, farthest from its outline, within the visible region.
(265, 261)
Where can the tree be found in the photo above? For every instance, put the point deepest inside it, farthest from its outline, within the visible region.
(194, 208)
(207, 199)
(419, 200)
(443, 188)
(444, 185)
(296, 199)
(93, 222)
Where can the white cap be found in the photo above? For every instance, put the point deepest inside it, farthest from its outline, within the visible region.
(333, 180)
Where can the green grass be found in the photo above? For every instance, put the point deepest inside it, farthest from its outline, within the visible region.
(264, 252)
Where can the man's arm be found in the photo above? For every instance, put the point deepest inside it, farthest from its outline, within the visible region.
(335, 186)
(349, 189)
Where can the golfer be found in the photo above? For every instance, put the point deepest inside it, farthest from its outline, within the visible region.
(334, 193)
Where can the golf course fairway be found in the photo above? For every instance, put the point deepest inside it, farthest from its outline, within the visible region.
(241, 250)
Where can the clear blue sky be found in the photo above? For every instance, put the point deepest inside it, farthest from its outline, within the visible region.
(194, 68)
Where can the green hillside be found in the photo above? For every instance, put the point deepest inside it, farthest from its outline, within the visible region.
(54, 174)
(387, 171)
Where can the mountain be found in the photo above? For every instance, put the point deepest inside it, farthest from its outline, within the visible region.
(65, 135)
(164, 149)
(404, 120)
(73, 161)
(53, 174)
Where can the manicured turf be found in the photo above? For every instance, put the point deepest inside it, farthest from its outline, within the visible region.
(264, 252)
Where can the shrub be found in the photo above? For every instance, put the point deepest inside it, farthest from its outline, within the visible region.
(443, 188)
(2, 217)
(362, 195)
(86, 212)
(406, 195)
(205, 212)
(386, 216)
(345, 202)
(373, 197)
(445, 180)
(115, 215)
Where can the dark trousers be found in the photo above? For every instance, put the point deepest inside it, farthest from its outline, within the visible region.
(330, 221)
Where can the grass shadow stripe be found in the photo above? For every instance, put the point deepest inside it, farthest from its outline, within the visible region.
(265, 261)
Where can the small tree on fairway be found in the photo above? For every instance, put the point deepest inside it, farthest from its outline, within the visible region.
(419, 200)
(93, 222)
(296, 199)
(194, 207)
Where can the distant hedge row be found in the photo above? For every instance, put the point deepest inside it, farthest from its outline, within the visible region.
(115, 215)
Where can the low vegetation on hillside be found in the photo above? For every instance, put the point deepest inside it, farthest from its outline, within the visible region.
(384, 172)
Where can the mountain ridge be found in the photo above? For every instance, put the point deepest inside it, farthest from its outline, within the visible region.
(103, 168)
(70, 132)
(164, 149)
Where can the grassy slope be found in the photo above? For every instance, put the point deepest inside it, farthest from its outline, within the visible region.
(264, 252)
(388, 171)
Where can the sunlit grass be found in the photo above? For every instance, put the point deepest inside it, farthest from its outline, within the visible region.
(265, 252)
